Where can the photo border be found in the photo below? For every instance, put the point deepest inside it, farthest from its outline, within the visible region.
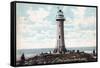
(13, 31)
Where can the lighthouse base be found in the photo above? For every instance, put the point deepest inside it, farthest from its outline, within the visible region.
(60, 50)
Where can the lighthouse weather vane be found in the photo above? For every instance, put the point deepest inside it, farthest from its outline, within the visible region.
(59, 8)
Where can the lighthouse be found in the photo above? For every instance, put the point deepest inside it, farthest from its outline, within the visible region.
(60, 47)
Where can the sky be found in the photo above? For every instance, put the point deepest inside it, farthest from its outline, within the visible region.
(37, 26)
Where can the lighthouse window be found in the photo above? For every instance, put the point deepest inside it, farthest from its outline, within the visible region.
(60, 15)
(59, 37)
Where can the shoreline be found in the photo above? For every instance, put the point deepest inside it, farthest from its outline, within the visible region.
(32, 55)
(49, 58)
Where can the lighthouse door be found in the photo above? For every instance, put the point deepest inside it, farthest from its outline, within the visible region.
(59, 37)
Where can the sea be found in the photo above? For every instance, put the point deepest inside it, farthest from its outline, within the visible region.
(32, 52)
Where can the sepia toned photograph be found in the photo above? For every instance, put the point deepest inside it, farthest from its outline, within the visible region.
(55, 34)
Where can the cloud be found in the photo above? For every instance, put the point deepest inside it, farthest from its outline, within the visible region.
(90, 35)
(49, 8)
(81, 29)
(80, 20)
(79, 12)
(37, 16)
(37, 30)
(32, 45)
(33, 31)
(80, 43)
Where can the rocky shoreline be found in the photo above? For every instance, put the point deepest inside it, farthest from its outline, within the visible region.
(50, 58)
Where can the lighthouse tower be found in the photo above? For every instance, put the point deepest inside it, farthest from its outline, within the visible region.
(60, 48)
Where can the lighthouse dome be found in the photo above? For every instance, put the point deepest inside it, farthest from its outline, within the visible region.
(60, 15)
(60, 12)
